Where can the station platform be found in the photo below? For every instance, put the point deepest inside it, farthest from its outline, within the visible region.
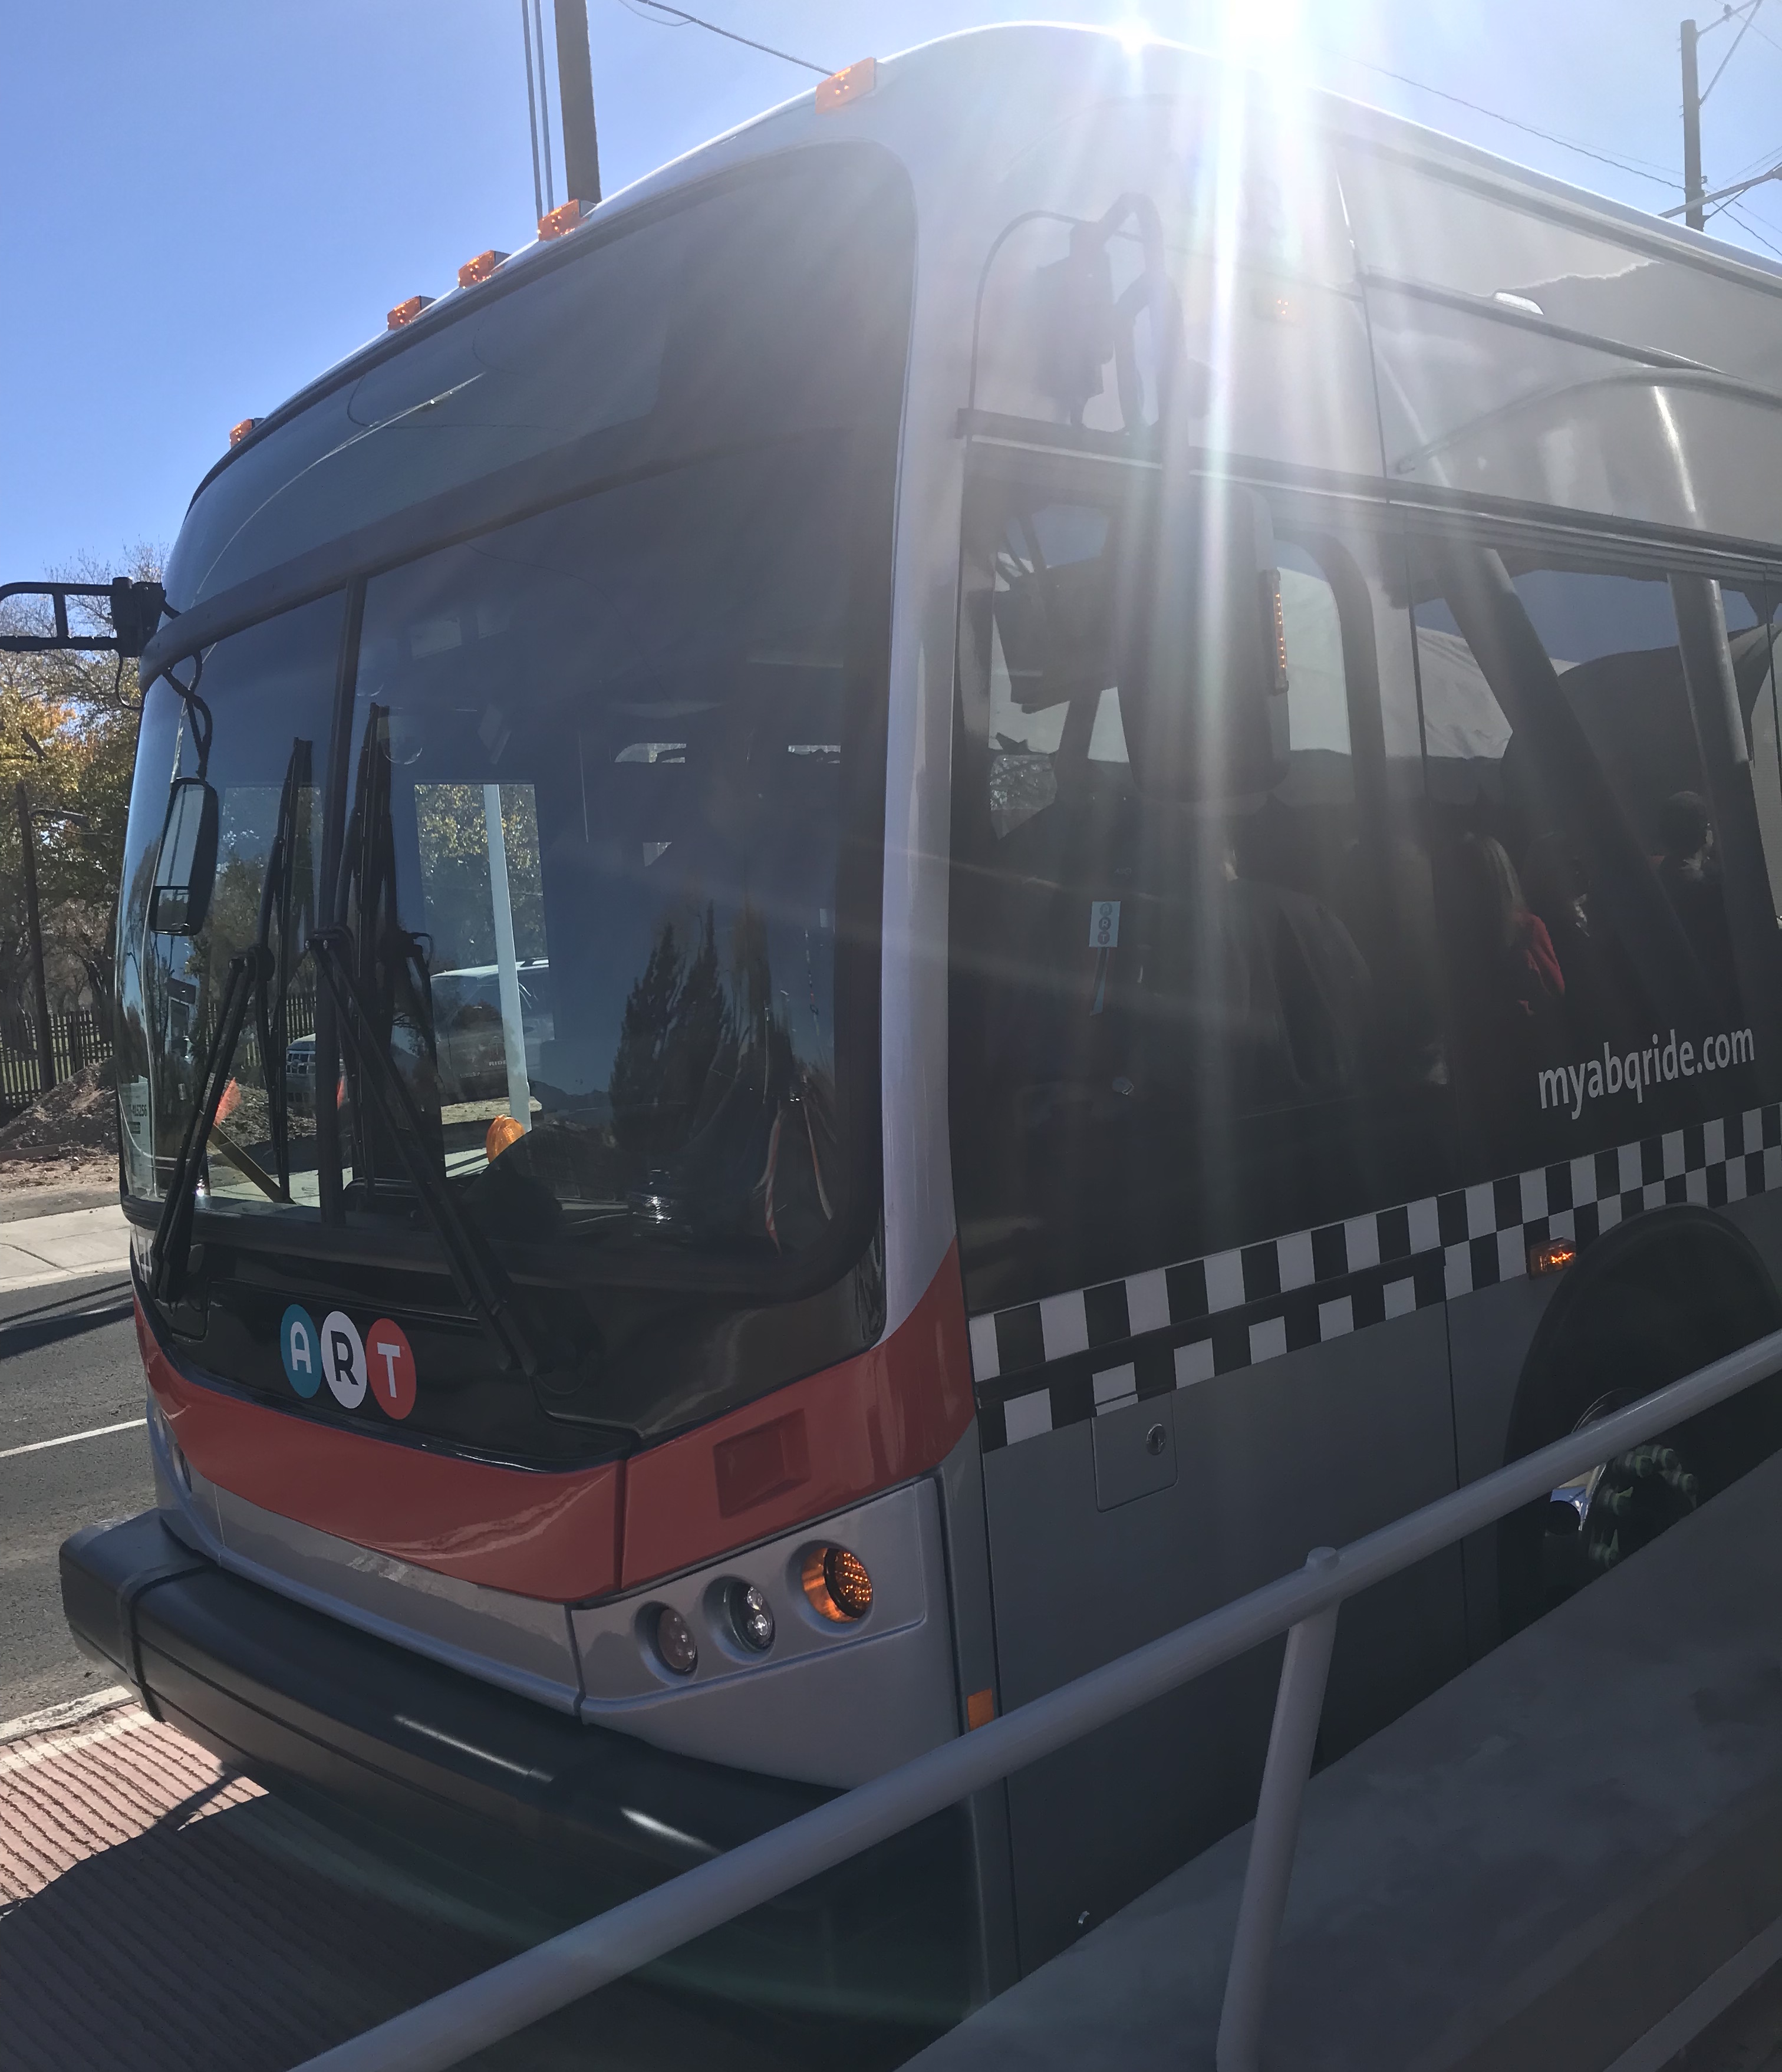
(1568, 1856)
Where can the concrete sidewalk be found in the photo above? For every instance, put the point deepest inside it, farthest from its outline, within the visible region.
(72, 1246)
(1530, 1872)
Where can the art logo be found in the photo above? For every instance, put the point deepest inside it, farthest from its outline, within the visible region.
(381, 1364)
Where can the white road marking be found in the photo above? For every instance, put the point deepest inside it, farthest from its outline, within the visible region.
(68, 1438)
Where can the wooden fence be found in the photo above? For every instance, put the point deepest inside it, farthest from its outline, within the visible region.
(76, 1041)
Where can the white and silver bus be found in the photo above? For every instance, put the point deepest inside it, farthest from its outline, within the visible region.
(1132, 711)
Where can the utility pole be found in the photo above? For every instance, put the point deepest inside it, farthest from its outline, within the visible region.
(34, 925)
(1693, 214)
(575, 83)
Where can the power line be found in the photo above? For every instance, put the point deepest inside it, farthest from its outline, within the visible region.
(1727, 14)
(1745, 225)
(1743, 28)
(1547, 136)
(683, 20)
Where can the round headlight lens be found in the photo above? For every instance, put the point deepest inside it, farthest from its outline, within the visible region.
(751, 1617)
(836, 1584)
(675, 1643)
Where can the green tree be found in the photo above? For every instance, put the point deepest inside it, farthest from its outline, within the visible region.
(67, 732)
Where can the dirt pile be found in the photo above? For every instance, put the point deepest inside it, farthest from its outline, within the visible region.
(73, 1127)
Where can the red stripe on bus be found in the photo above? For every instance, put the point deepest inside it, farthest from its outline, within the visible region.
(539, 1536)
(814, 1447)
(878, 1419)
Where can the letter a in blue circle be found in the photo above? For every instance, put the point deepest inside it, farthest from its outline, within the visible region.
(301, 1350)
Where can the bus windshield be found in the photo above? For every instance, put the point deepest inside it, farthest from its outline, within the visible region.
(590, 802)
(589, 864)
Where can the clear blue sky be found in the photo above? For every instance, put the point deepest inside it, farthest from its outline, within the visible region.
(206, 201)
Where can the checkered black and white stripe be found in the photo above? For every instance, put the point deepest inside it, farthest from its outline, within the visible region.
(1066, 1358)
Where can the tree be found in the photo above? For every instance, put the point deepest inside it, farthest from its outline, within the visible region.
(68, 731)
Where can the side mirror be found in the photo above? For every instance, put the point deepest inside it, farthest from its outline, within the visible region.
(136, 610)
(1201, 647)
(186, 869)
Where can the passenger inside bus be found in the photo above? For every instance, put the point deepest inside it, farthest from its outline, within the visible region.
(1690, 872)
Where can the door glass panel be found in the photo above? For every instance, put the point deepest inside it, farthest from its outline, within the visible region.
(1604, 982)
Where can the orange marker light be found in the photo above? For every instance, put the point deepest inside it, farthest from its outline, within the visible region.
(405, 313)
(502, 1132)
(836, 1584)
(1553, 1257)
(851, 83)
(238, 432)
(562, 220)
(980, 1710)
(479, 269)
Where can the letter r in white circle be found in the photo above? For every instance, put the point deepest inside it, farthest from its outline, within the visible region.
(343, 1359)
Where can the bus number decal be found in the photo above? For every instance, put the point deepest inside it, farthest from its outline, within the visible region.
(301, 1350)
(343, 1359)
(391, 1359)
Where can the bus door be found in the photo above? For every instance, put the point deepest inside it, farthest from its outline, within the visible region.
(1606, 826)
(1201, 1115)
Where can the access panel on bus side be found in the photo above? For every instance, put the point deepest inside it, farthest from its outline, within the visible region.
(1201, 1116)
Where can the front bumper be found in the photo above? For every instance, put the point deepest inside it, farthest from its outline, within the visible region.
(291, 1697)
(312, 1707)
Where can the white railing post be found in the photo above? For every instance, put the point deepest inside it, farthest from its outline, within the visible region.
(1298, 1706)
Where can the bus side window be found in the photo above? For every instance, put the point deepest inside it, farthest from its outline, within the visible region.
(1588, 865)
(1178, 1024)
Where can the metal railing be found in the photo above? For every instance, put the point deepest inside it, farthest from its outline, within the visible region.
(1304, 1605)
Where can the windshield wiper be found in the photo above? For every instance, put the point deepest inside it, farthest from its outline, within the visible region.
(249, 979)
(275, 900)
(481, 1281)
(170, 1253)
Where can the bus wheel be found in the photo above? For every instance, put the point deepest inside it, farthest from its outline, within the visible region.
(1596, 1520)
(1649, 1303)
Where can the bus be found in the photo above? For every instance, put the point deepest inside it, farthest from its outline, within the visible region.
(1132, 710)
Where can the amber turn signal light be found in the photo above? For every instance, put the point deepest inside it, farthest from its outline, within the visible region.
(561, 220)
(851, 83)
(836, 1584)
(238, 432)
(501, 1133)
(479, 269)
(1552, 1256)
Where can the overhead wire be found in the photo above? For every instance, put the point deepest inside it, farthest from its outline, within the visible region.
(681, 19)
(1744, 28)
(1646, 171)
(1751, 228)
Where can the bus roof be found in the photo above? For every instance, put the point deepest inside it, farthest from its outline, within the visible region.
(1015, 81)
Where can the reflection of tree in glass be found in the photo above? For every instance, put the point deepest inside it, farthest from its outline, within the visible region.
(678, 1028)
(707, 1091)
(455, 871)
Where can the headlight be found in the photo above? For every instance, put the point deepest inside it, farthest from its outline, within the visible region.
(675, 1643)
(751, 1617)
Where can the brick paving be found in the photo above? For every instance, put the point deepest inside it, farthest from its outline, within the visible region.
(159, 1915)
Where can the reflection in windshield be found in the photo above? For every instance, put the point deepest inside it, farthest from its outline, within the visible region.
(273, 686)
(588, 867)
(598, 817)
